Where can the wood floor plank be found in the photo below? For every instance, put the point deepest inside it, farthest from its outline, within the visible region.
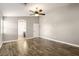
(37, 47)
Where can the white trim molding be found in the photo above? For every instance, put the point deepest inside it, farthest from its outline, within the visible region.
(75, 45)
(18, 39)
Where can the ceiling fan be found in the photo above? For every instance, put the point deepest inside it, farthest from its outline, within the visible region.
(37, 12)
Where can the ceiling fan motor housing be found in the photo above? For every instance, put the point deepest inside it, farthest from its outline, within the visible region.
(36, 12)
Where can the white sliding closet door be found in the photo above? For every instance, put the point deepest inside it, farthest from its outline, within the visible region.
(10, 29)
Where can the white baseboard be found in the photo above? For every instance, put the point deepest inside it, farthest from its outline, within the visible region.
(18, 39)
(75, 45)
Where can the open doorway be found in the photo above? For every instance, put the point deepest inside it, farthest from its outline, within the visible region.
(21, 28)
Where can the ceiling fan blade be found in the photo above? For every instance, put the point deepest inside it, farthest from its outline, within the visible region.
(41, 14)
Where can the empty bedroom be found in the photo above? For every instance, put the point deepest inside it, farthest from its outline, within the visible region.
(39, 29)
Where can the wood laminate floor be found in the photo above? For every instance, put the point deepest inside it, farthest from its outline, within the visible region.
(37, 47)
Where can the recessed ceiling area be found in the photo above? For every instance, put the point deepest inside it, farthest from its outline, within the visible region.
(21, 9)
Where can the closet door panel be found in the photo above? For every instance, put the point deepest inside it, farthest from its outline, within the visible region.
(10, 29)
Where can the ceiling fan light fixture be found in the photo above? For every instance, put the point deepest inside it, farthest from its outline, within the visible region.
(36, 14)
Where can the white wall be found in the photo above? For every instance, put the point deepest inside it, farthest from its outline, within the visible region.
(62, 24)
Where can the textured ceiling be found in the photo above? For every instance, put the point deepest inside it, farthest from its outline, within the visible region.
(20, 9)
